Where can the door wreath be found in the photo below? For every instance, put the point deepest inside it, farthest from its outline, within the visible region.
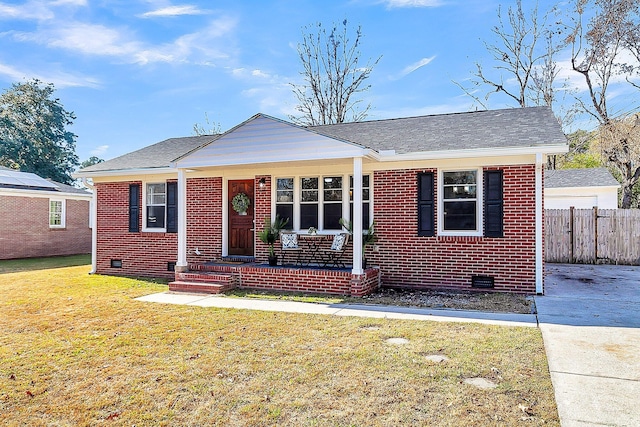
(240, 203)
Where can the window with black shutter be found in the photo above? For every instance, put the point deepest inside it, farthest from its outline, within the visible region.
(426, 223)
(134, 208)
(493, 204)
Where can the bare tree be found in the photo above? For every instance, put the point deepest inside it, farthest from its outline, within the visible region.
(599, 53)
(333, 76)
(525, 70)
(619, 145)
(212, 128)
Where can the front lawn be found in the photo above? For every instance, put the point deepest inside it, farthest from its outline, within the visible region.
(79, 350)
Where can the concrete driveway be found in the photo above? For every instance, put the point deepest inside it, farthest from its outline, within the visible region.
(590, 323)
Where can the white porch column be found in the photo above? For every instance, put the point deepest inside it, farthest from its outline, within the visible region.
(181, 263)
(94, 231)
(539, 219)
(356, 221)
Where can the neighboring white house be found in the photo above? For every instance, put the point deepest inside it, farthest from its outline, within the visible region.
(580, 188)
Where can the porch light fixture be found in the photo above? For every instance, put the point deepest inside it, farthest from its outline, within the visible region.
(262, 182)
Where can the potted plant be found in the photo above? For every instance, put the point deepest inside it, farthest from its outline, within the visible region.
(368, 238)
(270, 234)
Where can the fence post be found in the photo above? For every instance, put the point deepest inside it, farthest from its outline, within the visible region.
(595, 233)
(571, 239)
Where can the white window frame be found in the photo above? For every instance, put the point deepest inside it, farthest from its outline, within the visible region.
(144, 208)
(297, 195)
(63, 213)
(479, 204)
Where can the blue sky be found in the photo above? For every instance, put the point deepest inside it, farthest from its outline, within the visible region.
(137, 72)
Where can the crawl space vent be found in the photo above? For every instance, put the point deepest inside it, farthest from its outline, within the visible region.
(482, 282)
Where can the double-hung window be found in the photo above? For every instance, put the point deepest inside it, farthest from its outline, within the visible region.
(156, 207)
(460, 202)
(309, 199)
(56, 214)
(284, 200)
(321, 195)
(366, 194)
(332, 202)
(319, 201)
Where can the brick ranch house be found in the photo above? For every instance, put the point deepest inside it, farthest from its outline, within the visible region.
(457, 201)
(42, 218)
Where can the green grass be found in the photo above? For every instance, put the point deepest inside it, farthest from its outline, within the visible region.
(30, 264)
(79, 350)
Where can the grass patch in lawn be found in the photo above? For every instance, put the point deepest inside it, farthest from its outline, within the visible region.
(501, 302)
(79, 350)
(30, 264)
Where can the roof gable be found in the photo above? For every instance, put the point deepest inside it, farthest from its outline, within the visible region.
(264, 139)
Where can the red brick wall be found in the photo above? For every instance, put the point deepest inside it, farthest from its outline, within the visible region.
(25, 232)
(204, 218)
(262, 210)
(147, 253)
(142, 254)
(408, 260)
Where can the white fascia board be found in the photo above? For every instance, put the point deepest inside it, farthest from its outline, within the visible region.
(477, 152)
(19, 192)
(124, 172)
(237, 161)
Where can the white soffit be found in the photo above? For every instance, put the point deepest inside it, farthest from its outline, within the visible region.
(267, 140)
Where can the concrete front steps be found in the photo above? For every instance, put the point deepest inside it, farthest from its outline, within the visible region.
(208, 282)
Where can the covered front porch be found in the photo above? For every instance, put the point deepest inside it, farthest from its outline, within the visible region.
(219, 277)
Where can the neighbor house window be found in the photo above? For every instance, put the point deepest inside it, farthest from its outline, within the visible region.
(156, 198)
(56, 214)
(460, 208)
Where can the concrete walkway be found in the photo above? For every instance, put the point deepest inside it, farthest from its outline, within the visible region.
(359, 310)
(590, 323)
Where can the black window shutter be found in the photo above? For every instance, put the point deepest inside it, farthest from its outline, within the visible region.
(134, 208)
(493, 204)
(172, 207)
(426, 223)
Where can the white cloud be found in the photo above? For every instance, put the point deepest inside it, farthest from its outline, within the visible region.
(100, 40)
(174, 11)
(35, 9)
(100, 150)
(59, 78)
(260, 73)
(391, 4)
(27, 11)
(416, 65)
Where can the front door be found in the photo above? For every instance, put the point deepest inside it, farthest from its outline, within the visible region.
(241, 224)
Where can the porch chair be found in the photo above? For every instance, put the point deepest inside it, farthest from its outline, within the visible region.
(290, 245)
(333, 255)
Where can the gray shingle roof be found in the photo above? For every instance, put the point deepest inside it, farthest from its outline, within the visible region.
(516, 127)
(595, 177)
(157, 155)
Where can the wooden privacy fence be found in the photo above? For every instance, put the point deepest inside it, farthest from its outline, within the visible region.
(593, 236)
